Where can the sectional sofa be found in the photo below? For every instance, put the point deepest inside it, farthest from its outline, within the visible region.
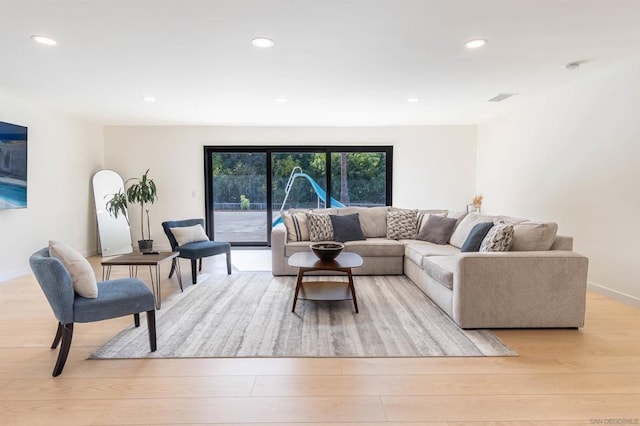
(539, 283)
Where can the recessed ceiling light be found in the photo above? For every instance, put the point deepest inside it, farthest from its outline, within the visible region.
(44, 40)
(148, 99)
(413, 100)
(281, 100)
(475, 43)
(262, 42)
(572, 65)
(501, 97)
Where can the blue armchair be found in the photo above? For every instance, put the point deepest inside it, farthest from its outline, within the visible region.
(197, 250)
(116, 298)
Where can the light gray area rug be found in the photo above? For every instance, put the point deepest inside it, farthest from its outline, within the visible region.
(249, 315)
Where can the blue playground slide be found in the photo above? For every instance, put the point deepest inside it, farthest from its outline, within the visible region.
(321, 193)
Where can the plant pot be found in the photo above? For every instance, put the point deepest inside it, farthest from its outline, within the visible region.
(145, 245)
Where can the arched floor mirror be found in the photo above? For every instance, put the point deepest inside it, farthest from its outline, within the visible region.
(113, 233)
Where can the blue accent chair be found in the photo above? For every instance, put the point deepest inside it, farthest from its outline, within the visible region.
(197, 250)
(116, 298)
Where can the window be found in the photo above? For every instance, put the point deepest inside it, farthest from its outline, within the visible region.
(241, 210)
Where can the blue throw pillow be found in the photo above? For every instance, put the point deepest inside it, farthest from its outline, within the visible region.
(346, 228)
(477, 234)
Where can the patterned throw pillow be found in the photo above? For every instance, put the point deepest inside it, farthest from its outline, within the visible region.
(499, 238)
(320, 228)
(296, 224)
(401, 224)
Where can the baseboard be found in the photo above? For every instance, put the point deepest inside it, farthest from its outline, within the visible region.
(614, 294)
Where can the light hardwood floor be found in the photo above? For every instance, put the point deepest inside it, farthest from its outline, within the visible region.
(564, 377)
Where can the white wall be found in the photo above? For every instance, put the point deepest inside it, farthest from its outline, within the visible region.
(434, 167)
(63, 154)
(574, 157)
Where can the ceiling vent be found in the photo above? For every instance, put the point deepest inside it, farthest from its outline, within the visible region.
(501, 97)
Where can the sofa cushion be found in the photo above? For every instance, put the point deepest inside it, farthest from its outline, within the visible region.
(510, 220)
(373, 220)
(499, 238)
(464, 227)
(437, 230)
(346, 228)
(401, 224)
(371, 247)
(375, 247)
(320, 228)
(331, 210)
(296, 224)
(440, 268)
(298, 247)
(531, 236)
(417, 250)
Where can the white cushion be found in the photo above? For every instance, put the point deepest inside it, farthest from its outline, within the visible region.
(296, 224)
(82, 276)
(189, 234)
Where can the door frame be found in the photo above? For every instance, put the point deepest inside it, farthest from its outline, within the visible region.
(208, 150)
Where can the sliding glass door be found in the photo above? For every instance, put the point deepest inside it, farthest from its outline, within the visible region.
(248, 187)
(239, 208)
(298, 181)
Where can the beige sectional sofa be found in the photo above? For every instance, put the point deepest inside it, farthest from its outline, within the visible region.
(541, 282)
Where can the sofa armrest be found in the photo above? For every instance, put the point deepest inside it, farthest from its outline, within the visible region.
(520, 289)
(278, 242)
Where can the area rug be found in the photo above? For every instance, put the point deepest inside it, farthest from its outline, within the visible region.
(249, 315)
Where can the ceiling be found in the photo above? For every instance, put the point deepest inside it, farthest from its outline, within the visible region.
(338, 62)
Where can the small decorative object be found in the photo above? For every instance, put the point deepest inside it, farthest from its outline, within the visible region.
(327, 251)
(476, 204)
(142, 191)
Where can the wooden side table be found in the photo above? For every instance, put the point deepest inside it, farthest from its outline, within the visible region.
(133, 260)
(325, 290)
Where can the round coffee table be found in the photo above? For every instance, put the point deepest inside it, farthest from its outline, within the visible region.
(325, 290)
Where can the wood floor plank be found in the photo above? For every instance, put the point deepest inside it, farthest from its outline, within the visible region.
(448, 384)
(52, 413)
(127, 388)
(512, 407)
(190, 367)
(250, 410)
(459, 365)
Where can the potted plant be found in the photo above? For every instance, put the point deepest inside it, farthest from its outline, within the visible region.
(141, 191)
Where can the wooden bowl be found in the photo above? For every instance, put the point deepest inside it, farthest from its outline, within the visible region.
(327, 251)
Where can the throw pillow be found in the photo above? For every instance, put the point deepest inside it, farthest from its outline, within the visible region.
(320, 228)
(499, 238)
(82, 276)
(438, 229)
(477, 234)
(346, 228)
(189, 234)
(423, 216)
(296, 224)
(401, 224)
(530, 236)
